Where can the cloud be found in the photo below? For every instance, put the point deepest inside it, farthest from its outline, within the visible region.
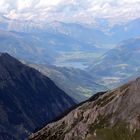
(85, 11)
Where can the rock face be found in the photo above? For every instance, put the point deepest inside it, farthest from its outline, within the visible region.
(112, 115)
(28, 99)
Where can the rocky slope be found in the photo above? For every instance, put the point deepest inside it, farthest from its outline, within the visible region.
(28, 99)
(114, 115)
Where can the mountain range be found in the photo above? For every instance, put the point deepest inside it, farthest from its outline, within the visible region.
(73, 44)
(98, 33)
(112, 115)
(61, 64)
(28, 99)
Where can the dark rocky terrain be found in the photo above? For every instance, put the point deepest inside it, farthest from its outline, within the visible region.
(114, 115)
(28, 99)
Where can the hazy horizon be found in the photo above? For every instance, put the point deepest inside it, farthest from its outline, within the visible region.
(78, 11)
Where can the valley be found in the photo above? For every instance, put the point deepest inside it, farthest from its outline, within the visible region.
(69, 70)
(77, 83)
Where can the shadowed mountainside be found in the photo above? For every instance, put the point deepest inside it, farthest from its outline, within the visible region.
(28, 99)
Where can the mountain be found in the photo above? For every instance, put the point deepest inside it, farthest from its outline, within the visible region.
(119, 63)
(125, 31)
(112, 115)
(100, 33)
(77, 83)
(99, 29)
(28, 99)
(77, 31)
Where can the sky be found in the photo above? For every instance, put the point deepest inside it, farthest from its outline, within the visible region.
(84, 11)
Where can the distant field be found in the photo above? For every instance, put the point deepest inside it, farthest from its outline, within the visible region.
(77, 59)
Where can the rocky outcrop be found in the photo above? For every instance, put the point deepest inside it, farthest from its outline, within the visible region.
(118, 109)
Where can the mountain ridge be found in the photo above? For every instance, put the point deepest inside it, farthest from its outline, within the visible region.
(111, 111)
